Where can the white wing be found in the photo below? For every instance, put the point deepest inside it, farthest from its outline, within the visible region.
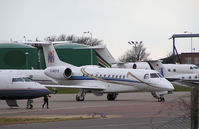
(77, 87)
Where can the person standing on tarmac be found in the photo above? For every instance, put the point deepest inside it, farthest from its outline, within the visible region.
(45, 101)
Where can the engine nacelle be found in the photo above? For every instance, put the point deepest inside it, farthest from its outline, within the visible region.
(133, 65)
(58, 72)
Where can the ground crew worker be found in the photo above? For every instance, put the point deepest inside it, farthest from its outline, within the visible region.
(45, 101)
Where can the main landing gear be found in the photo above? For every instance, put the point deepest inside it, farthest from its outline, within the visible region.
(111, 96)
(29, 104)
(80, 95)
(161, 99)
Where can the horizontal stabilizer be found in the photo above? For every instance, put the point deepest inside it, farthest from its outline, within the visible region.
(12, 103)
(77, 87)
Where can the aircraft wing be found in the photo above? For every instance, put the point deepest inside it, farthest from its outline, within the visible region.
(77, 87)
(190, 82)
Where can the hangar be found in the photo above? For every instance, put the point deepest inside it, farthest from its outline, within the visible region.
(21, 56)
(17, 56)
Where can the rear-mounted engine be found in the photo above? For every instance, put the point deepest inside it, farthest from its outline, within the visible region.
(58, 72)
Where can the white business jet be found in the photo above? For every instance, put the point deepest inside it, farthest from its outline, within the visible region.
(14, 87)
(178, 74)
(100, 80)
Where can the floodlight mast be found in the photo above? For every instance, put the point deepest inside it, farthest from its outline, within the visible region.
(191, 35)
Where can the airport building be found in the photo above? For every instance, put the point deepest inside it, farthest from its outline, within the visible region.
(190, 58)
(17, 56)
(21, 56)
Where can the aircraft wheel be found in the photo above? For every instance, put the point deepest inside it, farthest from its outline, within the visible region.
(79, 98)
(30, 106)
(161, 99)
(111, 96)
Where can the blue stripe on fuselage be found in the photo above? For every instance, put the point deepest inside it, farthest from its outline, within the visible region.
(104, 78)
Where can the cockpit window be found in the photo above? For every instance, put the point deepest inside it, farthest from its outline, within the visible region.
(17, 80)
(146, 76)
(195, 67)
(154, 75)
(26, 79)
(191, 67)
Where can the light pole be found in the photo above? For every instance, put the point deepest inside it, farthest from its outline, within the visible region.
(135, 43)
(88, 32)
(26, 53)
(24, 38)
(191, 39)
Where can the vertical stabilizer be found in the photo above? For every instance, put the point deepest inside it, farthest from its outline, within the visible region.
(51, 57)
(158, 66)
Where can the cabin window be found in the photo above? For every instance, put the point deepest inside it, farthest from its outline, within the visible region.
(154, 75)
(123, 76)
(189, 77)
(120, 76)
(96, 75)
(116, 76)
(105, 75)
(174, 70)
(169, 70)
(146, 76)
(182, 78)
(196, 77)
(113, 76)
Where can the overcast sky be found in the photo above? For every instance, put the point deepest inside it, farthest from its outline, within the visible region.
(114, 21)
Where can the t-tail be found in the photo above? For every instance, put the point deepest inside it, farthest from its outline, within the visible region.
(158, 66)
(51, 57)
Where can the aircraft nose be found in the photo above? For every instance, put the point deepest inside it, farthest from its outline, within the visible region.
(46, 91)
(167, 85)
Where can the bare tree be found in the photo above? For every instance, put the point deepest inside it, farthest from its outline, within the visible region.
(75, 39)
(137, 53)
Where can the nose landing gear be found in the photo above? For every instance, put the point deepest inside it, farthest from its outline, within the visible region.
(29, 104)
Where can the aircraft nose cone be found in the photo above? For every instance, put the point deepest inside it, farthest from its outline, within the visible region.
(46, 91)
(168, 85)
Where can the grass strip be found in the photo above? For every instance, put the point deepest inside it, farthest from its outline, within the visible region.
(9, 121)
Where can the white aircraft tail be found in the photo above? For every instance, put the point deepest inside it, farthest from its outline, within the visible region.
(158, 66)
(50, 54)
(51, 57)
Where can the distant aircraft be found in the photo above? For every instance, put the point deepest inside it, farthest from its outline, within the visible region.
(14, 87)
(179, 74)
(100, 80)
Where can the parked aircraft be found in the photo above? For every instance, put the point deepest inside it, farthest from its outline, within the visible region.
(14, 87)
(179, 74)
(100, 80)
